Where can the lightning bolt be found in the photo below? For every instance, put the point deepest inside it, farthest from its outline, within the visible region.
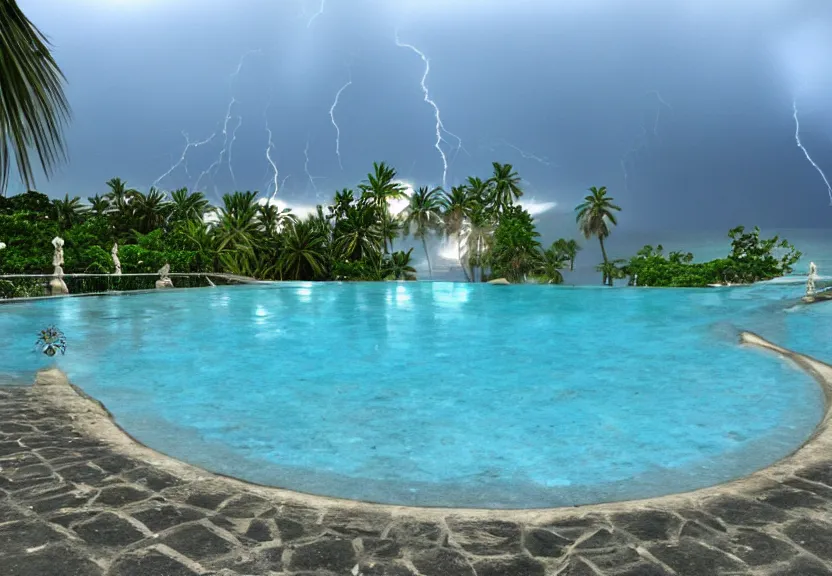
(309, 174)
(228, 142)
(320, 11)
(528, 155)
(275, 172)
(183, 159)
(806, 152)
(638, 143)
(334, 123)
(642, 140)
(214, 166)
(662, 102)
(440, 127)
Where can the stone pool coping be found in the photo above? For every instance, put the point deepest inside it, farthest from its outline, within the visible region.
(79, 497)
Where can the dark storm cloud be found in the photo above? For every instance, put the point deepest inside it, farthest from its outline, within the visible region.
(566, 91)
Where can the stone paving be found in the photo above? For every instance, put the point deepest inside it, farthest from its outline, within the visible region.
(72, 504)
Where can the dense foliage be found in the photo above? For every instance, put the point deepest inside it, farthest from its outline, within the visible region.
(751, 259)
(351, 239)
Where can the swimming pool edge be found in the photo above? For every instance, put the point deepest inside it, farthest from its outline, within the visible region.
(93, 419)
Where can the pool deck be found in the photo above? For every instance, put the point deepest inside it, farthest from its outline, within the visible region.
(78, 497)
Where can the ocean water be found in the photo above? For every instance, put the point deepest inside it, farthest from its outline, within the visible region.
(442, 394)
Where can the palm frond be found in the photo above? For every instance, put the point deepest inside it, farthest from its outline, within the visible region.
(33, 106)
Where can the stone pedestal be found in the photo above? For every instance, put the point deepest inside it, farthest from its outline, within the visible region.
(57, 287)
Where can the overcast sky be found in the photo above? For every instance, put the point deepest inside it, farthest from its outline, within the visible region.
(691, 99)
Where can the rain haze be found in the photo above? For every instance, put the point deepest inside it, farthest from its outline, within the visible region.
(682, 108)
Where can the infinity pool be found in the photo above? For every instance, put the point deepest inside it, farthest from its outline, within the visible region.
(441, 394)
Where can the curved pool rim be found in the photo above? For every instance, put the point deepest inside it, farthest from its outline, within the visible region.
(97, 422)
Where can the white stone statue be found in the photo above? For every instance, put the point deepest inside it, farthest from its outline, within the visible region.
(810, 282)
(164, 280)
(57, 286)
(58, 258)
(116, 261)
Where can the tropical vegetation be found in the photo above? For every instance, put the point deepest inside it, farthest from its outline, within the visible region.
(353, 238)
(751, 259)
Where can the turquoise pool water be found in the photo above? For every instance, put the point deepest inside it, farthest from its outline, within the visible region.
(445, 394)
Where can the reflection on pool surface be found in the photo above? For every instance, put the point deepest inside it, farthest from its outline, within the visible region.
(445, 394)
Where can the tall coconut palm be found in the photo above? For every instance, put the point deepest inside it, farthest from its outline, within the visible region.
(594, 216)
(504, 186)
(456, 210)
(478, 189)
(378, 190)
(33, 107)
(422, 216)
(478, 233)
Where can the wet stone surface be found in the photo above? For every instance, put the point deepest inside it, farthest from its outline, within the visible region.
(70, 506)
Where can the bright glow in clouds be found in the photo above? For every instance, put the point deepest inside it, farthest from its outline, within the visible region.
(536, 208)
(397, 206)
(450, 249)
(804, 60)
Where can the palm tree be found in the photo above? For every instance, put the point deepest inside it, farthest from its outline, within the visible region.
(478, 232)
(550, 263)
(271, 219)
(237, 225)
(341, 203)
(399, 266)
(33, 107)
(98, 205)
(379, 189)
(594, 216)
(679, 257)
(456, 210)
(68, 211)
(303, 254)
(423, 216)
(478, 189)
(504, 186)
(120, 210)
(612, 270)
(119, 192)
(568, 250)
(186, 207)
(357, 235)
(149, 210)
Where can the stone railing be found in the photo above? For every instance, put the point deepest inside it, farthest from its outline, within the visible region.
(39, 285)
